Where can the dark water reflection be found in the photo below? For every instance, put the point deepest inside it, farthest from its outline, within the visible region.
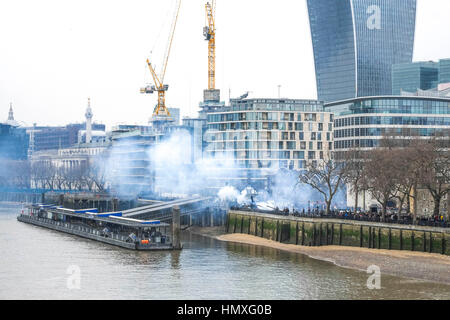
(34, 262)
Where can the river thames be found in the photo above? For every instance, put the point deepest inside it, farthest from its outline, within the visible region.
(36, 263)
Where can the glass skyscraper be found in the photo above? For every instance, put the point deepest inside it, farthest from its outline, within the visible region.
(356, 42)
(444, 71)
(411, 77)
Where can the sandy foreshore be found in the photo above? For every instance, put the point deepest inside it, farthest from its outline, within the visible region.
(416, 265)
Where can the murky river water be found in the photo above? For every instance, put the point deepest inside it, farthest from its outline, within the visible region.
(34, 263)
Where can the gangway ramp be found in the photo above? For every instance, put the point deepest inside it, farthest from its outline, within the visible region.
(154, 208)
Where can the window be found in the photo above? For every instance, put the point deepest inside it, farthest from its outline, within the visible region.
(291, 145)
(320, 126)
(301, 136)
(311, 155)
(313, 136)
(302, 145)
(299, 155)
(319, 145)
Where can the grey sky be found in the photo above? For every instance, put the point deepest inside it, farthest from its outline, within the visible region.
(55, 54)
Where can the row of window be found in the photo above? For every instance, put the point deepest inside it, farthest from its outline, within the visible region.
(301, 136)
(267, 136)
(283, 155)
(290, 126)
(267, 145)
(393, 106)
(264, 116)
(367, 132)
(420, 121)
(360, 143)
(301, 106)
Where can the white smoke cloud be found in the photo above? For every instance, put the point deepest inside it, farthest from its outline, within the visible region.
(172, 172)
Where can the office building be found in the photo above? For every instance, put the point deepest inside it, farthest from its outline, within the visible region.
(356, 42)
(362, 122)
(427, 78)
(13, 142)
(14, 139)
(444, 71)
(415, 76)
(264, 135)
(60, 137)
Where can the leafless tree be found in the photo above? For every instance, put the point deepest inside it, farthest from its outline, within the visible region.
(435, 169)
(354, 162)
(97, 172)
(326, 177)
(381, 177)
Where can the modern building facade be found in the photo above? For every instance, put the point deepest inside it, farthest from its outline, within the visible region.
(356, 42)
(14, 139)
(444, 71)
(414, 76)
(196, 128)
(175, 113)
(13, 142)
(362, 122)
(264, 135)
(46, 138)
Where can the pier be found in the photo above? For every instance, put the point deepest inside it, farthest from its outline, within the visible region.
(111, 228)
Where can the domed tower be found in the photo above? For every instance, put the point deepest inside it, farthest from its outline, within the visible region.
(89, 116)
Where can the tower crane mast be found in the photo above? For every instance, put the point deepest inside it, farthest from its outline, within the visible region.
(209, 31)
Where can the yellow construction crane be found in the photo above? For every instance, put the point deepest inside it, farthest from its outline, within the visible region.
(209, 31)
(160, 87)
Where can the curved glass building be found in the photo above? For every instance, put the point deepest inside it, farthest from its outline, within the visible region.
(362, 122)
(356, 42)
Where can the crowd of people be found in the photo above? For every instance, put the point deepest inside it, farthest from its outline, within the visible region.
(370, 216)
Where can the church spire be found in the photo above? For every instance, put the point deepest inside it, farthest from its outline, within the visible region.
(11, 113)
(89, 116)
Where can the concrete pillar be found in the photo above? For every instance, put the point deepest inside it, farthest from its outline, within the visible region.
(211, 215)
(176, 243)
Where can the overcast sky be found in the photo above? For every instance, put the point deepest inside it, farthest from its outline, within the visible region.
(56, 54)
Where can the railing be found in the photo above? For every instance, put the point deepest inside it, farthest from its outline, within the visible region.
(92, 231)
(406, 220)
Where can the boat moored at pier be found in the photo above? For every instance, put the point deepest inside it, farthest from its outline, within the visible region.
(107, 227)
